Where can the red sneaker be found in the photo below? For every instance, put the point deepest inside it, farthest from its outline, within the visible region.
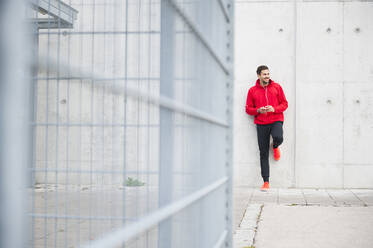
(276, 153)
(265, 186)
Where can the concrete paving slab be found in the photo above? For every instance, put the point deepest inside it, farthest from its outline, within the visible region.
(365, 195)
(344, 198)
(317, 197)
(314, 226)
(260, 197)
(241, 197)
(331, 218)
(245, 233)
(291, 196)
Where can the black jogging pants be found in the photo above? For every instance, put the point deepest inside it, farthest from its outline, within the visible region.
(264, 132)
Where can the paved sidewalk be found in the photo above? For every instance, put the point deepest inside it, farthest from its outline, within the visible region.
(303, 218)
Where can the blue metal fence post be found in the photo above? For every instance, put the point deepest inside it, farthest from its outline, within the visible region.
(14, 123)
(166, 122)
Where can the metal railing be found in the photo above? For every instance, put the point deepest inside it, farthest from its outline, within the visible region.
(131, 123)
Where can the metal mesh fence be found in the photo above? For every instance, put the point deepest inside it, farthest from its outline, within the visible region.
(131, 123)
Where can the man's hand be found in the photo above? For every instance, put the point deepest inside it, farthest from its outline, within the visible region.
(262, 110)
(269, 108)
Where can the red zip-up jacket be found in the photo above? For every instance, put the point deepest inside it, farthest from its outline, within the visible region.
(259, 96)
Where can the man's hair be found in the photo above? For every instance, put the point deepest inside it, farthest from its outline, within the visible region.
(261, 68)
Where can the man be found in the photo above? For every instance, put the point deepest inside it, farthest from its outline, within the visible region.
(267, 102)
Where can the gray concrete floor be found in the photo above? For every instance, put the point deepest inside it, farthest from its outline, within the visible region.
(74, 216)
(277, 218)
(303, 218)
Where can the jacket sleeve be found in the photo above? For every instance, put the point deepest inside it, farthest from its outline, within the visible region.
(250, 108)
(283, 103)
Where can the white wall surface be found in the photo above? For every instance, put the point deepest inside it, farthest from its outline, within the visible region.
(70, 107)
(321, 54)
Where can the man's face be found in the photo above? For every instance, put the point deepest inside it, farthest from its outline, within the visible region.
(264, 76)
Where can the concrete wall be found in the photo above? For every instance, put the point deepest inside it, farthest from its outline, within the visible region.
(82, 128)
(321, 54)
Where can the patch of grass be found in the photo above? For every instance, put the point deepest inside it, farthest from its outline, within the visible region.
(130, 182)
